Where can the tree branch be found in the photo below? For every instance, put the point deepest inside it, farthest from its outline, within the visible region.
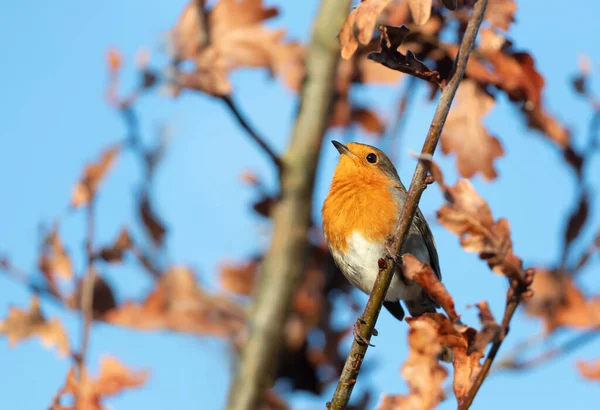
(87, 296)
(572, 344)
(366, 322)
(285, 260)
(204, 42)
(251, 132)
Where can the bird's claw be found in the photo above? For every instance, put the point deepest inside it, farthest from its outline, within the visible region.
(358, 336)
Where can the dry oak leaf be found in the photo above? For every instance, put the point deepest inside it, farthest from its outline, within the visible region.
(590, 370)
(116, 251)
(22, 324)
(113, 378)
(465, 134)
(501, 13)
(237, 39)
(151, 222)
(560, 303)
(422, 274)
(422, 371)
(469, 216)
(420, 10)
(365, 17)
(54, 260)
(465, 345)
(238, 279)
(177, 303)
(87, 186)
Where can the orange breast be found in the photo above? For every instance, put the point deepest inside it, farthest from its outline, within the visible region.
(361, 203)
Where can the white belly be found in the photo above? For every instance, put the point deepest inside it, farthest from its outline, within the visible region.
(360, 266)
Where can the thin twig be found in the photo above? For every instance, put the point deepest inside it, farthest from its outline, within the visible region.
(572, 344)
(366, 322)
(204, 42)
(251, 132)
(285, 261)
(87, 294)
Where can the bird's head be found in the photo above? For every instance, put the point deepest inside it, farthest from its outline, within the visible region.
(364, 163)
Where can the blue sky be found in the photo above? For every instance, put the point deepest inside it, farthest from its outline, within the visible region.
(55, 119)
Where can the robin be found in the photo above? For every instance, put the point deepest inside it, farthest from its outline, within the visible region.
(360, 215)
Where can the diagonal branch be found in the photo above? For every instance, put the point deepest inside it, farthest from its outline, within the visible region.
(341, 397)
(285, 260)
(204, 41)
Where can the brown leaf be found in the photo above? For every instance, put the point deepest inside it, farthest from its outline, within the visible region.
(113, 379)
(491, 330)
(54, 260)
(501, 13)
(116, 251)
(238, 279)
(422, 371)
(560, 303)
(87, 186)
(590, 370)
(420, 10)
(459, 339)
(367, 119)
(177, 303)
(577, 219)
(422, 273)
(22, 324)
(469, 216)
(365, 17)
(151, 221)
(389, 56)
(465, 134)
(237, 39)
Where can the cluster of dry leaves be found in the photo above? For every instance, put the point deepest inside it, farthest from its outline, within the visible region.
(381, 42)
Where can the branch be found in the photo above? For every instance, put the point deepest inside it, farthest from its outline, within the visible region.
(87, 297)
(204, 42)
(285, 260)
(251, 132)
(366, 323)
(573, 344)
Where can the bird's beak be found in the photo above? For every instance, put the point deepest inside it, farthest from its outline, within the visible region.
(342, 149)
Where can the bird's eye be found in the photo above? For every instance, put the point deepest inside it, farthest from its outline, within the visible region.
(372, 158)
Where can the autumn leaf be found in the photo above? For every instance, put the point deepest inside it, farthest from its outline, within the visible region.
(577, 219)
(422, 274)
(460, 339)
(389, 56)
(87, 186)
(589, 370)
(465, 134)
(422, 371)
(420, 10)
(54, 260)
(112, 380)
(560, 303)
(364, 16)
(177, 303)
(151, 222)
(238, 279)
(237, 39)
(116, 251)
(23, 324)
(501, 13)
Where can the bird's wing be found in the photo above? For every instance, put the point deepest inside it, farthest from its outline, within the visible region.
(425, 232)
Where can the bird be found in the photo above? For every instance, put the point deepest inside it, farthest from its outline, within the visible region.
(360, 215)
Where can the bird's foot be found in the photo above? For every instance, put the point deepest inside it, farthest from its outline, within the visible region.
(357, 334)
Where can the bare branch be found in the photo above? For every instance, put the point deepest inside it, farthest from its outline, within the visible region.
(87, 295)
(358, 350)
(285, 260)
